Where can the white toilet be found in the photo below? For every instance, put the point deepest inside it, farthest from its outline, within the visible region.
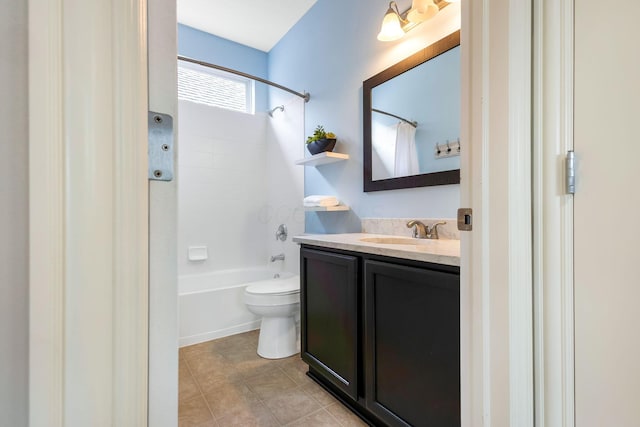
(278, 302)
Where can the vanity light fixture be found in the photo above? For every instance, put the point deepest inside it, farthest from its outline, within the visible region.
(421, 10)
(396, 24)
(391, 24)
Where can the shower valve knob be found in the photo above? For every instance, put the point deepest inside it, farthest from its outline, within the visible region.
(281, 233)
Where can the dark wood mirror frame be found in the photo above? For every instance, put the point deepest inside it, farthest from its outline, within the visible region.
(422, 180)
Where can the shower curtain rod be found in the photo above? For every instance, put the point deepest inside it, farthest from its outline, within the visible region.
(304, 95)
(411, 122)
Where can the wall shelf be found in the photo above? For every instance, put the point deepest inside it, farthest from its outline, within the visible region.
(322, 159)
(327, 208)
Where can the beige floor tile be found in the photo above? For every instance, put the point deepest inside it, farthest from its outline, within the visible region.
(227, 398)
(320, 418)
(296, 369)
(269, 384)
(252, 369)
(187, 387)
(239, 353)
(195, 413)
(324, 398)
(183, 369)
(344, 416)
(291, 405)
(208, 362)
(204, 347)
(256, 415)
(224, 382)
(235, 342)
(210, 379)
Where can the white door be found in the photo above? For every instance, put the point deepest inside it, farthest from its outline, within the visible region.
(163, 205)
(607, 202)
(88, 219)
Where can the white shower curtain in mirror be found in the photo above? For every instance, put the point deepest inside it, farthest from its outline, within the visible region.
(406, 158)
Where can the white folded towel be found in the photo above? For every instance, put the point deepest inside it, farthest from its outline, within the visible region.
(318, 200)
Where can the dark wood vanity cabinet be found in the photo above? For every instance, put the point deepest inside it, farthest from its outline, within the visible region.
(400, 366)
(329, 301)
(412, 344)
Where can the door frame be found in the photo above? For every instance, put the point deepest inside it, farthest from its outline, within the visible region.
(496, 341)
(163, 223)
(88, 213)
(553, 213)
(496, 257)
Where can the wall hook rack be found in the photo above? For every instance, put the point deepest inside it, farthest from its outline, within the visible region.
(447, 149)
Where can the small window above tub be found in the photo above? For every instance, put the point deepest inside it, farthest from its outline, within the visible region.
(216, 88)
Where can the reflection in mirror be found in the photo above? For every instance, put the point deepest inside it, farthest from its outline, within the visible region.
(412, 120)
(414, 113)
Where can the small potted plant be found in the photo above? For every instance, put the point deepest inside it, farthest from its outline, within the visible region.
(321, 141)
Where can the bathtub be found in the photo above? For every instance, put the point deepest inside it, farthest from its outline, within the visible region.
(211, 305)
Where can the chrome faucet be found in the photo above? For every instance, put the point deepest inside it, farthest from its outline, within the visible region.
(421, 231)
(279, 257)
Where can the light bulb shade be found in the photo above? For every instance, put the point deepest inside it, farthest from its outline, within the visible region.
(421, 10)
(391, 28)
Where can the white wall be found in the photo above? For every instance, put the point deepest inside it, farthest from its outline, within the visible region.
(222, 188)
(286, 180)
(14, 280)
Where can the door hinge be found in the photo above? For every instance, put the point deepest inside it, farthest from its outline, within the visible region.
(160, 146)
(570, 172)
(465, 219)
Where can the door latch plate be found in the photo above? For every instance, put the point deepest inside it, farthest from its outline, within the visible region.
(161, 146)
(465, 219)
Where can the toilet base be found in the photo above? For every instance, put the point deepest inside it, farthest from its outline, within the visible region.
(278, 338)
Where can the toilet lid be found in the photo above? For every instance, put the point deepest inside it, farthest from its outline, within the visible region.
(276, 287)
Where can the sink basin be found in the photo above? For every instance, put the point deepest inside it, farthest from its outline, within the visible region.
(391, 240)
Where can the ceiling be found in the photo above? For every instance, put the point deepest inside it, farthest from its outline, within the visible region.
(256, 23)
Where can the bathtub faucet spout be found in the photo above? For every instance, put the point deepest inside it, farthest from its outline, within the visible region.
(279, 257)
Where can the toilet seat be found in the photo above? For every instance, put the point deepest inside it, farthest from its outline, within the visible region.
(275, 287)
(273, 292)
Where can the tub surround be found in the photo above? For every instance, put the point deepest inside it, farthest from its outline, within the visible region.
(441, 251)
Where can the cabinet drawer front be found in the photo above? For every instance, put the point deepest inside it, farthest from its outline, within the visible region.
(412, 344)
(329, 316)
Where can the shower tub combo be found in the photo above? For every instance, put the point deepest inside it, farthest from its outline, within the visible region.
(212, 306)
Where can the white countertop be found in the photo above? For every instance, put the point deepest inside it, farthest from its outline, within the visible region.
(440, 251)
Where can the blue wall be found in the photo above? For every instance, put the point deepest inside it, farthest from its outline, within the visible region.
(216, 50)
(329, 53)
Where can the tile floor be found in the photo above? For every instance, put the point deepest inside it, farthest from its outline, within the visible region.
(225, 383)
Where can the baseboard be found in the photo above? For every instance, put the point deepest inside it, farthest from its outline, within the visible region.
(221, 333)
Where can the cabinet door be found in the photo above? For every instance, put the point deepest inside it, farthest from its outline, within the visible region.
(329, 316)
(412, 345)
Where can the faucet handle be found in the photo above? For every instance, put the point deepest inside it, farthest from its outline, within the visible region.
(433, 230)
(281, 233)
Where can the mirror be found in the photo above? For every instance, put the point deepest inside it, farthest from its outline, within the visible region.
(411, 120)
